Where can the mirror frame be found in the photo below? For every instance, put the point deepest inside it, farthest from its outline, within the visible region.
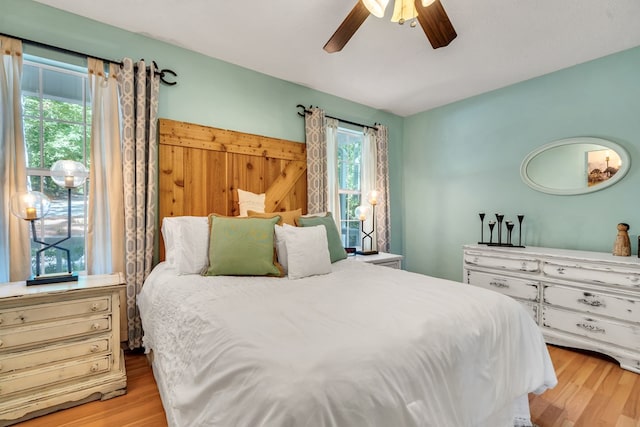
(624, 157)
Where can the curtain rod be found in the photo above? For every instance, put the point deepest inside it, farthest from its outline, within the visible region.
(159, 72)
(305, 111)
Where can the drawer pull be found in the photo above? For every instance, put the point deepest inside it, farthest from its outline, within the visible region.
(94, 367)
(591, 303)
(590, 328)
(634, 279)
(1, 343)
(560, 270)
(498, 284)
(94, 348)
(94, 306)
(95, 326)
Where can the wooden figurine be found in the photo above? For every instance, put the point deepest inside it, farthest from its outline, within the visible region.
(622, 245)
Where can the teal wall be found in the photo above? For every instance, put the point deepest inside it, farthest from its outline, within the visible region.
(446, 164)
(209, 91)
(464, 158)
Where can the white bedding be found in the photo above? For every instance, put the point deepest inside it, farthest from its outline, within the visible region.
(363, 346)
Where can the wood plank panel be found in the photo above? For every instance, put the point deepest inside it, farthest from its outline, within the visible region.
(209, 138)
(202, 167)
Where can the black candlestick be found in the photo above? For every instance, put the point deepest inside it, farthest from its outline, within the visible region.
(520, 218)
(491, 225)
(509, 230)
(481, 228)
(499, 217)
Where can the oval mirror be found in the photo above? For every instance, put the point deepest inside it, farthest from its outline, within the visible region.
(575, 166)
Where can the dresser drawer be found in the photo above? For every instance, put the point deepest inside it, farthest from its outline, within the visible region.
(28, 359)
(583, 273)
(44, 312)
(502, 263)
(525, 289)
(593, 327)
(623, 308)
(35, 334)
(53, 374)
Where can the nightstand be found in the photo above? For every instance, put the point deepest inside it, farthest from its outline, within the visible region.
(381, 258)
(59, 345)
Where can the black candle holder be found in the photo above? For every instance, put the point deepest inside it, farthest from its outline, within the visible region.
(510, 225)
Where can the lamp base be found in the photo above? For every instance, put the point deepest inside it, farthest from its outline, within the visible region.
(45, 279)
(367, 252)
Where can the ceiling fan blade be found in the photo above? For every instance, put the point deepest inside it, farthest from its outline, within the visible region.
(436, 25)
(348, 28)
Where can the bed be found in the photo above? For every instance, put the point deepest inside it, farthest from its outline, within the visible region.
(362, 345)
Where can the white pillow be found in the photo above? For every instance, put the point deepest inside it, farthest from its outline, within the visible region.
(249, 201)
(307, 251)
(186, 241)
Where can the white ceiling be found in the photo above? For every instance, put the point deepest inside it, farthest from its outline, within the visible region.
(385, 66)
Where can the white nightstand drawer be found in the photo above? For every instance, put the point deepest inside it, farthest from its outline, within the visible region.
(32, 335)
(44, 312)
(53, 374)
(591, 326)
(29, 359)
(624, 308)
(525, 289)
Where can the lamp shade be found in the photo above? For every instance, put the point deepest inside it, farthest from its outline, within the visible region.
(372, 197)
(29, 205)
(376, 7)
(403, 10)
(362, 212)
(68, 173)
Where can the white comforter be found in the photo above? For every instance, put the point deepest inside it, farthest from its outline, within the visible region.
(362, 346)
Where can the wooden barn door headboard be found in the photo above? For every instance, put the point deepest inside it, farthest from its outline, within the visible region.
(201, 166)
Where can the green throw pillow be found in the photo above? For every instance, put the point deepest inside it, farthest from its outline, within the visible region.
(336, 251)
(241, 247)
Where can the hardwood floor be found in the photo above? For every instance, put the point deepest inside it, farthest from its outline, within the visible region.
(592, 391)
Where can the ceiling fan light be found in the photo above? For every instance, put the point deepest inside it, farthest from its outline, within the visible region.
(426, 3)
(403, 10)
(376, 7)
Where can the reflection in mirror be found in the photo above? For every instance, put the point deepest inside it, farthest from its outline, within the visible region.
(575, 166)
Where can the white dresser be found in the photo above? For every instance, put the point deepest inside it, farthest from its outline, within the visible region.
(580, 299)
(59, 345)
(381, 258)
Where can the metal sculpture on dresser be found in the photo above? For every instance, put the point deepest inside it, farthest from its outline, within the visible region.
(509, 228)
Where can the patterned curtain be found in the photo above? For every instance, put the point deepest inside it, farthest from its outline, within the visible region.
(15, 261)
(139, 89)
(333, 184)
(316, 161)
(105, 226)
(382, 185)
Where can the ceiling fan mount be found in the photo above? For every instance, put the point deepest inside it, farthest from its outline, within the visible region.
(429, 13)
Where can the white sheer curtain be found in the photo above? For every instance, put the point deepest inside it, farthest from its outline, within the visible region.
(15, 261)
(105, 228)
(368, 181)
(139, 87)
(333, 184)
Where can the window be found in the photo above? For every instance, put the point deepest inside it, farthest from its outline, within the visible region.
(57, 119)
(349, 167)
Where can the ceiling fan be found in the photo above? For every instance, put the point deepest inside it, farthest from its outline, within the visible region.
(429, 13)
